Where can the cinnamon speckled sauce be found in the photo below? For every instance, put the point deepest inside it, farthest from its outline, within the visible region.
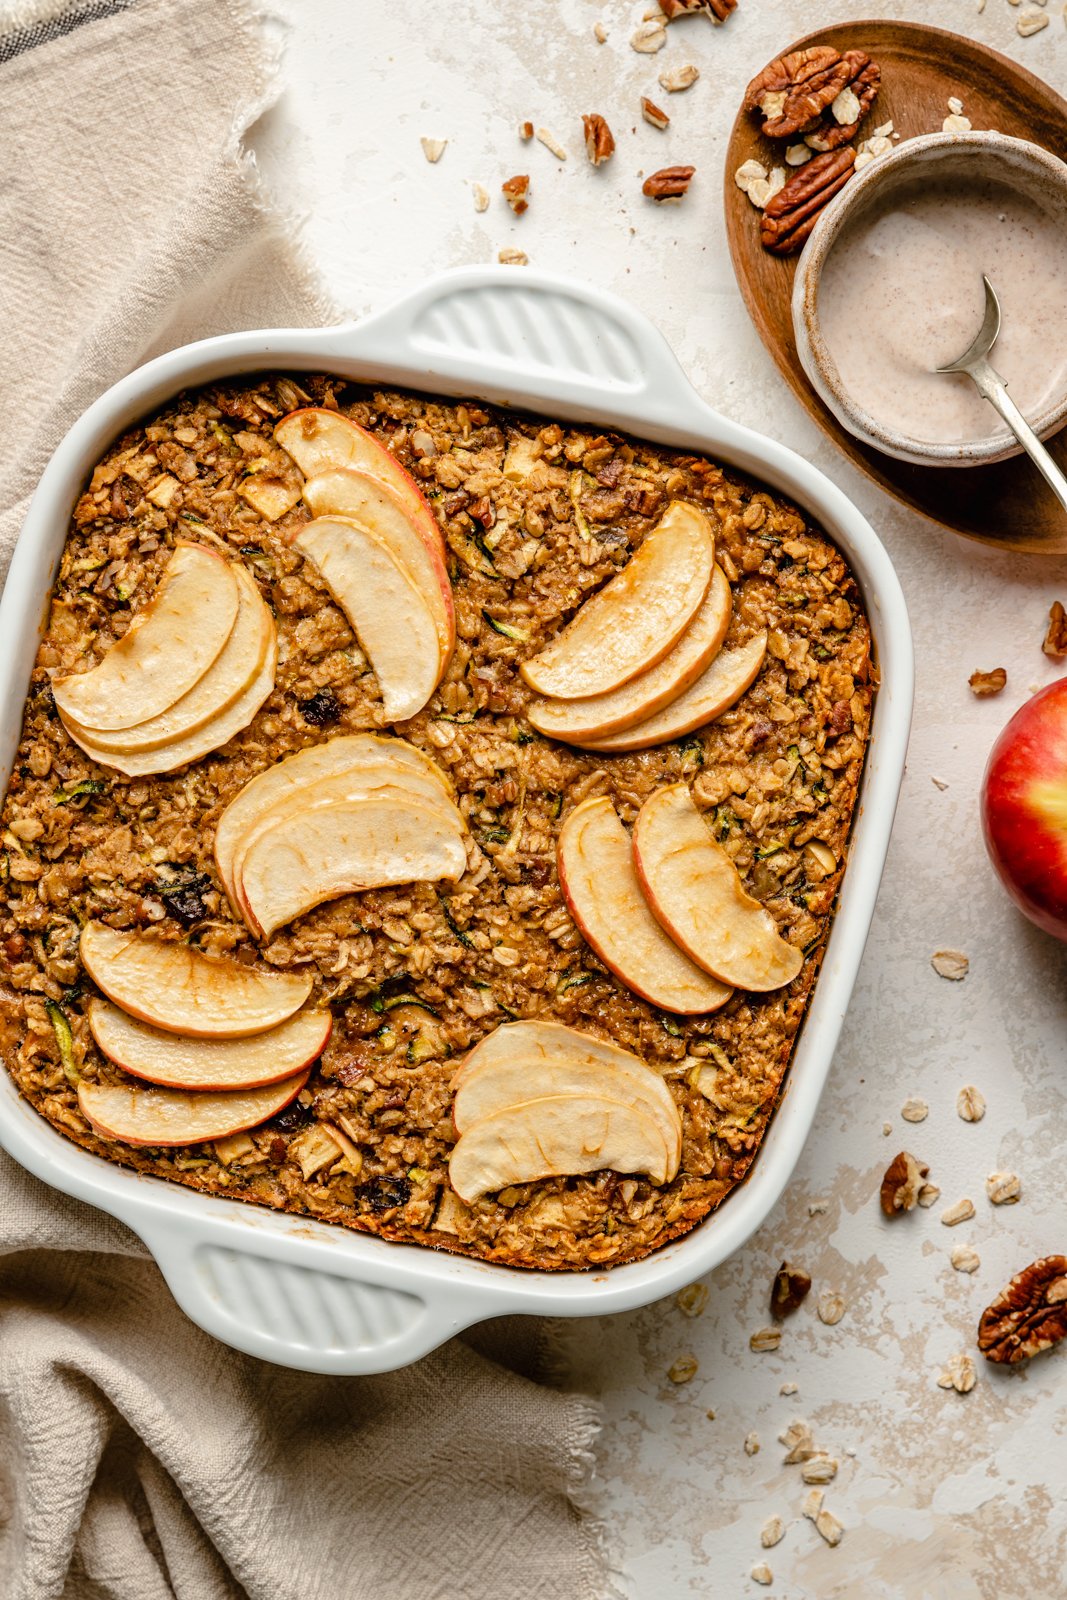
(901, 293)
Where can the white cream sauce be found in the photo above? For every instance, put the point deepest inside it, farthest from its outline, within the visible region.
(901, 293)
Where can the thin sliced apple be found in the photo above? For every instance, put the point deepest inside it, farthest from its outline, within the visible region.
(175, 1062)
(631, 623)
(167, 648)
(695, 892)
(211, 735)
(580, 1073)
(394, 623)
(343, 849)
(384, 507)
(170, 1117)
(383, 784)
(603, 895)
(544, 1047)
(720, 687)
(557, 1136)
(305, 772)
(636, 701)
(229, 676)
(180, 990)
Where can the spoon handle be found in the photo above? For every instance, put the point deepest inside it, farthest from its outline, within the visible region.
(992, 388)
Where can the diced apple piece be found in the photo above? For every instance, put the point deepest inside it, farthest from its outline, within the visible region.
(343, 849)
(602, 892)
(381, 508)
(546, 1046)
(557, 1136)
(224, 1064)
(383, 784)
(522, 457)
(720, 687)
(632, 622)
(305, 772)
(167, 648)
(269, 494)
(577, 720)
(211, 735)
(393, 622)
(232, 673)
(695, 892)
(178, 989)
(580, 1072)
(170, 1117)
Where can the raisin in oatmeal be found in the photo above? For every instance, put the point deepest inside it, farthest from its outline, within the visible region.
(536, 517)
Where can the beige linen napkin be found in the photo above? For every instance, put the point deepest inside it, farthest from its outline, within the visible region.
(139, 1459)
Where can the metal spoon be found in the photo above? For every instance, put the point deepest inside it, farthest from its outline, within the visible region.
(991, 387)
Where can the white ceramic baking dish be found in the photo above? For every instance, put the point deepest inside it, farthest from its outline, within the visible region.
(320, 1298)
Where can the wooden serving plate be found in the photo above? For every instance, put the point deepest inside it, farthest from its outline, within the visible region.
(1007, 504)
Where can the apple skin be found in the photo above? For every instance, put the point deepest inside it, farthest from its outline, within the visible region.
(1024, 808)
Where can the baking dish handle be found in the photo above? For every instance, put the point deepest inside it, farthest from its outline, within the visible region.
(260, 1295)
(557, 340)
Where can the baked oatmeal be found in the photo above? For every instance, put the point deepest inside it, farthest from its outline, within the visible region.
(537, 517)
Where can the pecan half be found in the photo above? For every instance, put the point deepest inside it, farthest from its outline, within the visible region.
(669, 183)
(790, 1289)
(793, 91)
(717, 10)
(987, 683)
(1055, 644)
(1029, 1316)
(838, 126)
(599, 143)
(901, 1184)
(515, 191)
(790, 215)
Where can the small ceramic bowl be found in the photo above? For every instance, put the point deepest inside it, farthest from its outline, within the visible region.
(1028, 168)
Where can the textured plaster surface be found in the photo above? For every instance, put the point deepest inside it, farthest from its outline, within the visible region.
(943, 1496)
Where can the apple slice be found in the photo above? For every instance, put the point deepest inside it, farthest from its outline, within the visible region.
(305, 772)
(632, 622)
(167, 648)
(556, 1136)
(225, 1064)
(394, 623)
(343, 849)
(575, 1071)
(382, 784)
(544, 1046)
(636, 701)
(695, 892)
(211, 735)
(714, 692)
(178, 989)
(232, 672)
(383, 507)
(603, 895)
(169, 1117)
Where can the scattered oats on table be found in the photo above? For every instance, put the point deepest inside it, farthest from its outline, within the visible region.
(677, 79)
(1003, 1188)
(928, 1194)
(600, 33)
(510, 257)
(752, 1444)
(964, 1259)
(798, 1441)
(970, 1103)
(830, 1306)
(812, 1504)
(1031, 21)
(819, 1468)
(765, 1339)
(480, 196)
(550, 142)
(772, 1533)
(915, 1110)
(962, 1211)
(828, 1526)
(692, 1299)
(761, 1573)
(433, 149)
(959, 1374)
(951, 964)
(649, 37)
(787, 1388)
(683, 1370)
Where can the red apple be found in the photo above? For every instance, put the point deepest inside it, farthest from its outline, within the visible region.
(1024, 808)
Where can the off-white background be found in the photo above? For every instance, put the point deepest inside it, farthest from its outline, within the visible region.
(942, 1495)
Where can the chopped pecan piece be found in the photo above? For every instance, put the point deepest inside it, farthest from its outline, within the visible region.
(669, 183)
(1029, 1316)
(793, 91)
(789, 1291)
(790, 215)
(1055, 644)
(840, 122)
(599, 143)
(987, 683)
(717, 10)
(901, 1184)
(515, 191)
(652, 113)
